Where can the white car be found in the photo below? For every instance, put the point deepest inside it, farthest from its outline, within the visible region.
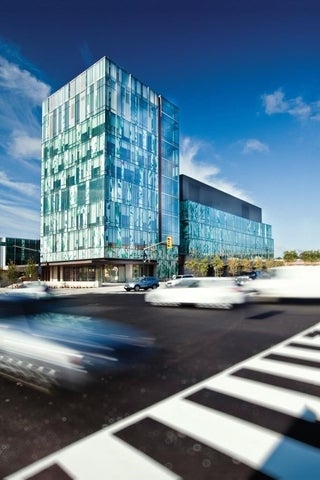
(26, 290)
(176, 279)
(202, 292)
(300, 282)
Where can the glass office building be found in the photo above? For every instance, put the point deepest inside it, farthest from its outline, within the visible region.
(19, 251)
(214, 223)
(109, 179)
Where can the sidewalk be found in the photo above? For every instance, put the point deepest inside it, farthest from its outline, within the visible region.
(106, 288)
(59, 291)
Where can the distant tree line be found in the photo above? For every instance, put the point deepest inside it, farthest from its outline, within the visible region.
(307, 256)
(233, 266)
(216, 266)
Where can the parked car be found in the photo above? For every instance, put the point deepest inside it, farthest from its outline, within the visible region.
(177, 278)
(142, 283)
(52, 349)
(206, 292)
(298, 282)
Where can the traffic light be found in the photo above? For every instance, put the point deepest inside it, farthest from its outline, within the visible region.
(169, 242)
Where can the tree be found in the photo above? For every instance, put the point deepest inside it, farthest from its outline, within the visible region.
(233, 265)
(13, 273)
(218, 265)
(310, 256)
(290, 256)
(258, 263)
(270, 262)
(198, 266)
(31, 270)
(246, 264)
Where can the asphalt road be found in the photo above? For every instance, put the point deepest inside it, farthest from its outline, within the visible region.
(194, 346)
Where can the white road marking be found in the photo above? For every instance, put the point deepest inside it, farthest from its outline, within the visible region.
(102, 455)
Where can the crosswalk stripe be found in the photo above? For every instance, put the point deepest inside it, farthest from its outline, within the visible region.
(300, 429)
(313, 333)
(284, 379)
(305, 345)
(101, 456)
(306, 354)
(106, 453)
(274, 380)
(258, 447)
(186, 456)
(273, 397)
(282, 369)
(294, 360)
(306, 340)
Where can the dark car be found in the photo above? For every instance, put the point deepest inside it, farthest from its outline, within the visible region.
(141, 283)
(245, 277)
(56, 349)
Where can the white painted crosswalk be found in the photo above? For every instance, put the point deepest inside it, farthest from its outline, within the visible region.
(261, 416)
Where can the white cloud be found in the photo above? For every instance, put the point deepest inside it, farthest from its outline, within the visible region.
(22, 146)
(196, 161)
(23, 188)
(316, 112)
(19, 221)
(192, 164)
(21, 96)
(276, 103)
(22, 82)
(19, 207)
(299, 109)
(254, 145)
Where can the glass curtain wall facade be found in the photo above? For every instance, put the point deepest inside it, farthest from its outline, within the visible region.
(110, 174)
(206, 231)
(213, 223)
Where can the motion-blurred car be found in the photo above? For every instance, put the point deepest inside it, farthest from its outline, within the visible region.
(216, 292)
(300, 282)
(142, 283)
(245, 277)
(50, 349)
(33, 290)
(175, 280)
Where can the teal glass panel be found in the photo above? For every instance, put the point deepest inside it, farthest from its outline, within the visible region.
(208, 231)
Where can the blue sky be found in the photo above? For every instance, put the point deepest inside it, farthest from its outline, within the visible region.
(245, 75)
